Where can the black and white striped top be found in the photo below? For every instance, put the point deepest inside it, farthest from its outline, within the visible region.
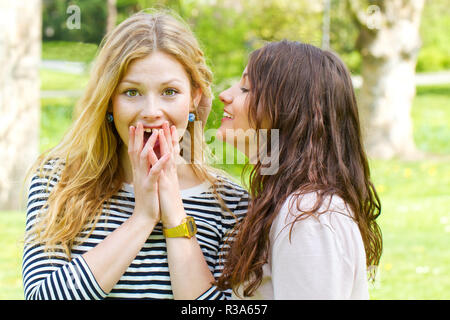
(54, 276)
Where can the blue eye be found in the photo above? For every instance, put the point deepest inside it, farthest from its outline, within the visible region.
(170, 92)
(131, 93)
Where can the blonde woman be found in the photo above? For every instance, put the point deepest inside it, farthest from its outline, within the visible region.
(113, 210)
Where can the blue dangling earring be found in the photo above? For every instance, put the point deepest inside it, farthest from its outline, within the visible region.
(191, 117)
(109, 117)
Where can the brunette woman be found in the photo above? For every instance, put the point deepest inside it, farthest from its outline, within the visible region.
(310, 231)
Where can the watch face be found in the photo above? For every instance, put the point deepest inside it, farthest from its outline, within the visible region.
(192, 228)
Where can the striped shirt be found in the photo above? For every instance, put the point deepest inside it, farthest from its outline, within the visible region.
(55, 276)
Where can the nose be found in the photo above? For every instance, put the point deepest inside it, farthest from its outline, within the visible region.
(151, 109)
(226, 97)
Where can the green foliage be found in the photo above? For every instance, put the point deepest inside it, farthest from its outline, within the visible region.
(223, 36)
(435, 52)
(92, 20)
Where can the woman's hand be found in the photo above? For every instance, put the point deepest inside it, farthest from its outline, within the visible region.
(171, 205)
(146, 172)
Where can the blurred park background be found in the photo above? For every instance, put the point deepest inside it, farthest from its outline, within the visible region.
(398, 52)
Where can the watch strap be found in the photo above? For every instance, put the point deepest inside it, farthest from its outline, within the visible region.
(178, 231)
(187, 229)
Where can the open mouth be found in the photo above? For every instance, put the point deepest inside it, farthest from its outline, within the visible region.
(156, 148)
(226, 115)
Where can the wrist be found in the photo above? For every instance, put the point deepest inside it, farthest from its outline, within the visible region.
(143, 220)
(174, 219)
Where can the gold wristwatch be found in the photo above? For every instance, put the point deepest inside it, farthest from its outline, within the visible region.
(187, 229)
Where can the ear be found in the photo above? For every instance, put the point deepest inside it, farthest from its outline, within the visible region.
(196, 98)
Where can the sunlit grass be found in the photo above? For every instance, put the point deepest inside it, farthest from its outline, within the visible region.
(12, 229)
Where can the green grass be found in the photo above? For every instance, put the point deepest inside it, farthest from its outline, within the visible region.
(415, 197)
(56, 80)
(431, 118)
(68, 51)
(415, 222)
(56, 117)
(12, 229)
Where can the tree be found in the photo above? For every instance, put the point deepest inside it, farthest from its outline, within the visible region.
(389, 43)
(112, 16)
(20, 49)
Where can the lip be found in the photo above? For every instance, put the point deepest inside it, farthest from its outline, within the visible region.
(226, 118)
(152, 127)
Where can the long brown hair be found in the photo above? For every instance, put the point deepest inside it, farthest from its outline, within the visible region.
(307, 94)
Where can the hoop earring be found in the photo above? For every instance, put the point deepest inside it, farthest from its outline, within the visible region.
(191, 117)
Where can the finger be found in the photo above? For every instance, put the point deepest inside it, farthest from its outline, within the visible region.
(147, 151)
(131, 133)
(175, 140)
(139, 138)
(168, 136)
(143, 155)
(150, 142)
(152, 157)
(163, 143)
(155, 171)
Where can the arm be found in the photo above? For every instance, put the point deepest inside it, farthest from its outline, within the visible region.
(102, 266)
(53, 276)
(90, 276)
(189, 272)
(110, 258)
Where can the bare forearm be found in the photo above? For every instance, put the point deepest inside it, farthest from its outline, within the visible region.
(189, 273)
(109, 260)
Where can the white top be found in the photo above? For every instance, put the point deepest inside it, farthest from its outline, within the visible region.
(325, 258)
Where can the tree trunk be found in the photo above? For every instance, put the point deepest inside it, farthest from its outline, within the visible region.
(20, 51)
(112, 16)
(389, 43)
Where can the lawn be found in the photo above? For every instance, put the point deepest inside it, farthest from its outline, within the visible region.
(415, 197)
(69, 51)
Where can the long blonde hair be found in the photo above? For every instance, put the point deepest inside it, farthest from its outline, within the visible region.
(87, 158)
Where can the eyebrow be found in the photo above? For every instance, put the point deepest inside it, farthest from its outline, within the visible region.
(162, 83)
(244, 75)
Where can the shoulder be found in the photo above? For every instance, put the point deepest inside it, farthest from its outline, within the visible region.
(47, 174)
(225, 186)
(332, 205)
(332, 220)
(233, 196)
